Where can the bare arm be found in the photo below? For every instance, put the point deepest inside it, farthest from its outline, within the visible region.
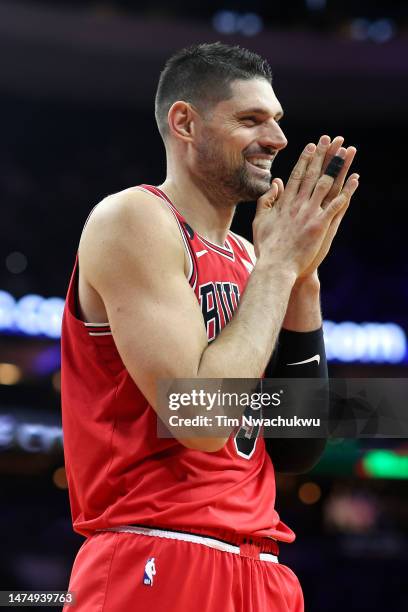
(303, 312)
(131, 253)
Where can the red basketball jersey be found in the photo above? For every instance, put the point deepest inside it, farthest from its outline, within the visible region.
(119, 472)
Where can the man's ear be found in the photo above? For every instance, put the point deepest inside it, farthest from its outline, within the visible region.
(181, 119)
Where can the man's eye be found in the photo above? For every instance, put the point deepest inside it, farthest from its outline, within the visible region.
(249, 119)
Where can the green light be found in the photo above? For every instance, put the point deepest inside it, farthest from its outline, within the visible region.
(385, 464)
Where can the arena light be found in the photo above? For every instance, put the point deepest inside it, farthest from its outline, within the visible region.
(225, 22)
(382, 30)
(379, 31)
(250, 24)
(365, 342)
(56, 381)
(231, 22)
(385, 464)
(359, 29)
(32, 315)
(16, 262)
(316, 5)
(10, 374)
(346, 341)
(31, 437)
(7, 306)
(309, 493)
(59, 478)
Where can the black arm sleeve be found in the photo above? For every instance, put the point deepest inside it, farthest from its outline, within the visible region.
(297, 455)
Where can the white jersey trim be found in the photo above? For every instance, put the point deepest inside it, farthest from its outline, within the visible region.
(238, 240)
(225, 251)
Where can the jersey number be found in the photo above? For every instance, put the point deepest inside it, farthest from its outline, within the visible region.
(247, 435)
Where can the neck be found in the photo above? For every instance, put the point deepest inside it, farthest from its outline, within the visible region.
(206, 208)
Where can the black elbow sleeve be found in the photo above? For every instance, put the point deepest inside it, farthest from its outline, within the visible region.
(297, 355)
(294, 455)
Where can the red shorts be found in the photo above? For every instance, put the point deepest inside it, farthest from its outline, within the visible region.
(167, 571)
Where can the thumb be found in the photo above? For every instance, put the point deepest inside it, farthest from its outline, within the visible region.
(267, 200)
(281, 187)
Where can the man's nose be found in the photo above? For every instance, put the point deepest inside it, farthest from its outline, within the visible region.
(274, 138)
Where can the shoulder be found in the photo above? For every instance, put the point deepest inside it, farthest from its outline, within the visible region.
(126, 208)
(248, 246)
(131, 224)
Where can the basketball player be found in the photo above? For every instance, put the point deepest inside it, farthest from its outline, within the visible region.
(163, 289)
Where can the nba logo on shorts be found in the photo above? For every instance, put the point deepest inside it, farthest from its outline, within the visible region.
(149, 572)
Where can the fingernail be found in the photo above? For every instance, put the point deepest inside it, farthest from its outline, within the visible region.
(324, 140)
(310, 147)
(341, 152)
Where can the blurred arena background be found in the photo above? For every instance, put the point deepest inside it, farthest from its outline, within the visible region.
(77, 81)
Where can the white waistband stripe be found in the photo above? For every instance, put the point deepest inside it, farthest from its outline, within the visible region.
(95, 324)
(100, 333)
(188, 537)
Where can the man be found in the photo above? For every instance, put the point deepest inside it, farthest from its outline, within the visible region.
(157, 292)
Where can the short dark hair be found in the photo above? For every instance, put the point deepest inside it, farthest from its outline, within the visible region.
(202, 75)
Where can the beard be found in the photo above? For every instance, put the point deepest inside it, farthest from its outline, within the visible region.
(229, 178)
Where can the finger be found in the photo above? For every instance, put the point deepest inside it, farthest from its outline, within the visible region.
(332, 150)
(350, 153)
(314, 169)
(331, 232)
(324, 184)
(327, 199)
(339, 182)
(336, 164)
(281, 187)
(337, 219)
(267, 200)
(320, 192)
(336, 205)
(298, 172)
(334, 226)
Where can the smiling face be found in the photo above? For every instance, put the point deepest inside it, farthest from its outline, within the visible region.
(237, 143)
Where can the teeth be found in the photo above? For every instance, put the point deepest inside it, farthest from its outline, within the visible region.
(261, 163)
